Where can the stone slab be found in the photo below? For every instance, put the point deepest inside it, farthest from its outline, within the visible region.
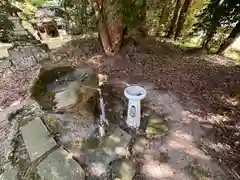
(4, 64)
(10, 173)
(123, 169)
(59, 165)
(3, 52)
(117, 143)
(18, 29)
(68, 97)
(24, 57)
(37, 139)
(113, 147)
(156, 127)
(139, 145)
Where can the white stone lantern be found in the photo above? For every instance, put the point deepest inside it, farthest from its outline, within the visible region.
(134, 94)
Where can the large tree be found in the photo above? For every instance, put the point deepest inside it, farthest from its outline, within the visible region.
(230, 39)
(163, 14)
(110, 17)
(141, 18)
(234, 20)
(115, 17)
(210, 18)
(110, 25)
(182, 18)
(218, 13)
(172, 27)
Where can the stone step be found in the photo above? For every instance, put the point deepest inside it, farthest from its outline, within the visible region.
(123, 169)
(59, 165)
(113, 147)
(10, 173)
(4, 50)
(4, 64)
(37, 138)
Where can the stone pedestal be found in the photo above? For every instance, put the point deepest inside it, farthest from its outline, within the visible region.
(134, 94)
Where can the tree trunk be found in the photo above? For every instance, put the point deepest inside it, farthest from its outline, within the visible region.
(104, 38)
(182, 18)
(210, 34)
(110, 26)
(207, 39)
(214, 22)
(116, 36)
(174, 20)
(164, 15)
(230, 39)
(142, 18)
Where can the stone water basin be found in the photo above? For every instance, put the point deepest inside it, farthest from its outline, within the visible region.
(60, 88)
(69, 97)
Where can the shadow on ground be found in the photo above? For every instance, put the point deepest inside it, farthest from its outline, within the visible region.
(207, 85)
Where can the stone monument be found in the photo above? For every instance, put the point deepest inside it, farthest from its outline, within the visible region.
(26, 51)
(25, 56)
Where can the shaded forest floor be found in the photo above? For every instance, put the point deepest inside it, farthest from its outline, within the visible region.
(206, 86)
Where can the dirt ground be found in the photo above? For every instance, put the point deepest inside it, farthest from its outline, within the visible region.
(199, 94)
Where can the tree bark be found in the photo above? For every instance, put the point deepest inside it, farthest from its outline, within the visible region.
(174, 20)
(207, 39)
(182, 18)
(215, 21)
(104, 37)
(164, 14)
(210, 34)
(142, 18)
(110, 27)
(230, 39)
(115, 36)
